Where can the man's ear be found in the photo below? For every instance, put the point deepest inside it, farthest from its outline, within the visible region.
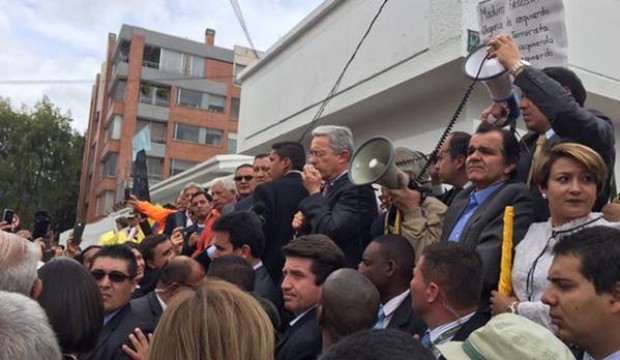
(432, 293)
(346, 155)
(615, 298)
(36, 289)
(460, 161)
(509, 168)
(246, 252)
(391, 267)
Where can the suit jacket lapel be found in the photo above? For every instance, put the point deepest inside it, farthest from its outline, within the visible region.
(109, 328)
(480, 211)
(458, 205)
(154, 304)
(292, 329)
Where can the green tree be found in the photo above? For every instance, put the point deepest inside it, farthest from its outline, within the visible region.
(40, 163)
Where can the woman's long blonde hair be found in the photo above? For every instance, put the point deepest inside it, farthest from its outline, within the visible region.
(217, 321)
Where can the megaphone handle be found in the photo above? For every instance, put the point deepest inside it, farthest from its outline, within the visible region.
(513, 106)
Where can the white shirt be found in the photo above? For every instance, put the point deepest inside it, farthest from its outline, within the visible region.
(390, 307)
(161, 302)
(295, 320)
(436, 333)
(258, 265)
(538, 243)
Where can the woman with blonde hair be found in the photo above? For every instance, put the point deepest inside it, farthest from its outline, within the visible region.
(570, 176)
(217, 321)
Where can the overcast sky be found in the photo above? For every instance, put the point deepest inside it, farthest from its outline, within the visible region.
(44, 41)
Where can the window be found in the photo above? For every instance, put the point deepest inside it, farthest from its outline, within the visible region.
(238, 69)
(196, 66)
(113, 131)
(154, 168)
(190, 98)
(108, 166)
(154, 95)
(217, 103)
(186, 132)
(232, 143)
(158, 130)
(177, 166)
(151, 57)
(234, 108)
(105, 203)
(214, 137)
(123, 51)
(171, 61)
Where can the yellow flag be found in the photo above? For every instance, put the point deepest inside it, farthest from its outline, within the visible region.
(505, 275)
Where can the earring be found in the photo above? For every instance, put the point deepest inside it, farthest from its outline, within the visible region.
(544, 196)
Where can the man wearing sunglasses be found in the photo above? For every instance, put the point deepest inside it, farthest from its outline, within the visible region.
(246, 181)
(114, 268)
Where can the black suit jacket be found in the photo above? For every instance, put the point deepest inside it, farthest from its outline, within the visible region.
(484, 229)
(480, 318)
(405, 320)
(345, 215)
(148, 309)
(245, 204)
(302, 341)
(114, 334)
(277, 202)
(266, 288)
(174, 220)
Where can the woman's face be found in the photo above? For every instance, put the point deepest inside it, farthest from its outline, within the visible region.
(571, 191)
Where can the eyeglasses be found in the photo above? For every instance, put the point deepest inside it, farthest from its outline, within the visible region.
(244, 177)
(115, 276)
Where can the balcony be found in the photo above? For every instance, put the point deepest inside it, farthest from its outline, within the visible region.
(149, 110)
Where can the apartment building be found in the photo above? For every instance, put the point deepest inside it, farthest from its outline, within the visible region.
(184, 90)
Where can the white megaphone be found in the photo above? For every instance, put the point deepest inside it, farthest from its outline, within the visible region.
(495, 78)
(373, 162)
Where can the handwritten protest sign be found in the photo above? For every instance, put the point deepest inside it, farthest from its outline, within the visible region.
(536, 25)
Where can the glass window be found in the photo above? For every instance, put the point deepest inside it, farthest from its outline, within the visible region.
(214, 136)
(217, 103)
(151, 57)
(158, 130)
(189, 98)
(154, 95)
(109, 165)
(197, 66)
(186, 132)
(177, 166)
(171, 61)
(232, 143)
(118, 94)
(123, 51)
(113, 131)
(105, 203)
(154, 168)
(234, 108)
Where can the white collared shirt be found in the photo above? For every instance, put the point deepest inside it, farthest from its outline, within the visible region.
(295, 320)
(436, 333)
(549, 133)
(161, 302)
(614, 356)
(390, 307)
(258, 265)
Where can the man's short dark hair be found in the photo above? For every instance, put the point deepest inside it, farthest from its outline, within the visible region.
(260, 156)
(244, 228)
(459, 143)
(378, 345)
(119, 252)
(246, 165)
(149, 243)
(568, 79)
(398, 249)
(326, 256)
(458, 272)
(233, 269)
(203, 192)
(177, 271)
(510, 144)
(598, 248)
(292, 150)
(80, 257)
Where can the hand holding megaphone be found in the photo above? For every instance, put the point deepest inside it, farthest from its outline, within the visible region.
(405, 198)
(496, 114)
(505, 49)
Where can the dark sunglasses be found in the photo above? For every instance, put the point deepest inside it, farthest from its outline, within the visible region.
(244, 177)
(115, 276)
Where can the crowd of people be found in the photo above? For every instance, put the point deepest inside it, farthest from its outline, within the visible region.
(290, 260)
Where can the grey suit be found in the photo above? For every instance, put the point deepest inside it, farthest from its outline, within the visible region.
(148, 309)
(484, 230)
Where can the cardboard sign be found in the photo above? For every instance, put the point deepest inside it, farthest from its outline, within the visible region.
(536, 25)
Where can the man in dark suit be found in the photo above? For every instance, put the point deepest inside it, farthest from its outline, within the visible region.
(277, 201)
(349, 303)
(450, 165)
(114, 268)
(553, 110)
(445, 293)
(240, 234)
(179, 274)
(388, 263)
(309, 261)
(475, 217)
(340, 210)
(181, 218)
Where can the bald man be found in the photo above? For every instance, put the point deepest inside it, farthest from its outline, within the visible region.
(349, 303)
